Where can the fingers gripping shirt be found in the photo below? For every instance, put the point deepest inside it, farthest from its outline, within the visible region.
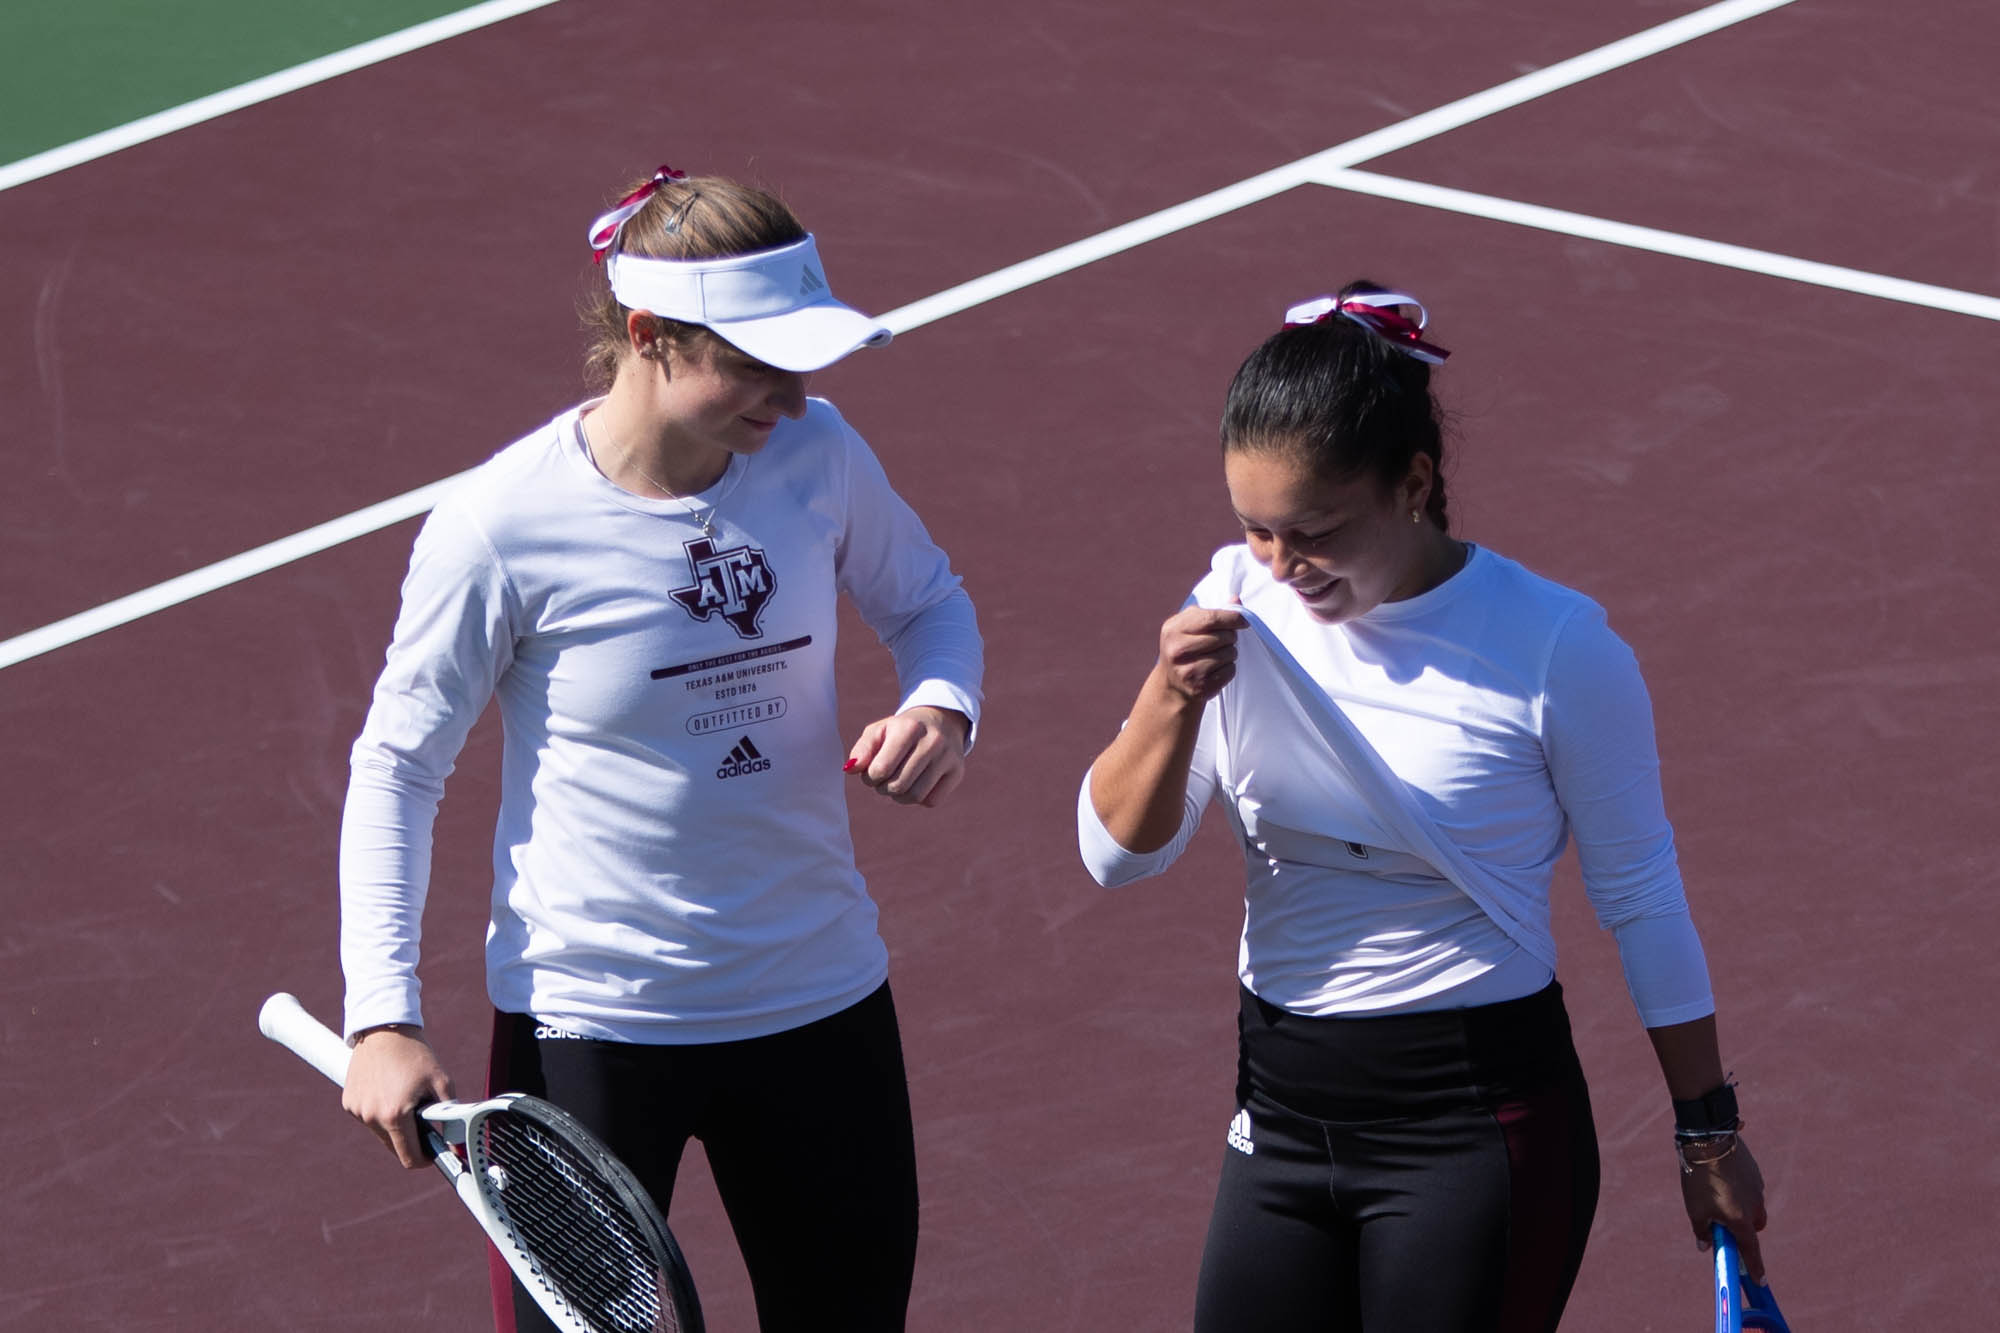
(1513, 716)
(671, 860)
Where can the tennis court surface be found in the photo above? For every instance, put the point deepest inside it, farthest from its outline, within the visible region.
(1722, 301)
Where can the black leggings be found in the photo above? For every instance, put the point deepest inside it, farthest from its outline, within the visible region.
(808, 1136)
(1433, 1172)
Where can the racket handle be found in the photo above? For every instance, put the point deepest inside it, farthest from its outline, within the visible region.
(284, 1020)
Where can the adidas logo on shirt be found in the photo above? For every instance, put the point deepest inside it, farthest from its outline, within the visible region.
(1239, 1134)
(742, 760)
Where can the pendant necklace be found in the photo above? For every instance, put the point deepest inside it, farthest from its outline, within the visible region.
(705, 518)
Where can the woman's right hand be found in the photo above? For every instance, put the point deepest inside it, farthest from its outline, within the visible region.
(1137, 784)
(392, 1074)
(1198, 651)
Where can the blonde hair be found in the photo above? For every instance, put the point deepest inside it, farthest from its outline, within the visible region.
(699, 217)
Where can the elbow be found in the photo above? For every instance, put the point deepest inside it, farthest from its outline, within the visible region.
(1113, 876)
(1109, 863)
(1664, 902)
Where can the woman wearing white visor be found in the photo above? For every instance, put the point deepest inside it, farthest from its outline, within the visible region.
(680, 945)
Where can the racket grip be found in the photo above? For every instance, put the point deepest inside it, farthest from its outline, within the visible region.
(284, 1020)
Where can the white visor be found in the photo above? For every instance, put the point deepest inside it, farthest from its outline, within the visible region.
(774, 304)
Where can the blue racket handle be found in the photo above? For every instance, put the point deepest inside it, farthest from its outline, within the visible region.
(1728, 1305)
(1739, 1302)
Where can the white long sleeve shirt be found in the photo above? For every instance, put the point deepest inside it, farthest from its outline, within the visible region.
(1516, 718)
(671, 861)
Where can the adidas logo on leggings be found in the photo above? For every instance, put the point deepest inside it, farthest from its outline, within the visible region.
(1239, 1134)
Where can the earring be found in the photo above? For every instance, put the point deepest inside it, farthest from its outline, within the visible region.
(1416, 517)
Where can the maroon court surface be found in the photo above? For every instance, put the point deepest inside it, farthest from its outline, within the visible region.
(1781, 492)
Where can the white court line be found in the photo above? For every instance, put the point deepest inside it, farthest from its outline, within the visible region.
(1430, 124)
(261, 90)
(951, 301)
(222, 573)
(1665, 242)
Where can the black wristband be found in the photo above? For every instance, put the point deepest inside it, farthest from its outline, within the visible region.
(1714, 1112)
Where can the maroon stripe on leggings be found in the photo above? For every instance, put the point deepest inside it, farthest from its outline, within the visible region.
(1549, 1218)
(499, 1078)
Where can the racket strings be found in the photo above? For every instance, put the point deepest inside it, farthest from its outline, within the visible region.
(575, 1227)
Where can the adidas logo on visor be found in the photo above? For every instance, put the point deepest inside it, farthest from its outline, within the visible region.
(742, 760)
(811, 283)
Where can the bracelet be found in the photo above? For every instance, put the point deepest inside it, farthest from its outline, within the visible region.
(1704, 1135)
(1688, 1164)
(406, 1029)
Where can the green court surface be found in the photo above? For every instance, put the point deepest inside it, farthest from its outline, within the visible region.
(71, 68)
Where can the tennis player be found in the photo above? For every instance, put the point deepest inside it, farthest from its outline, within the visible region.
(1412, 1146)
(680, 945)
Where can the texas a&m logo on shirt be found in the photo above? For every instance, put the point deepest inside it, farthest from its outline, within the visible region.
(734, 584)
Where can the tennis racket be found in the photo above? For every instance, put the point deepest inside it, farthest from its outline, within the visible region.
(571, 1221)
(1739, 1302)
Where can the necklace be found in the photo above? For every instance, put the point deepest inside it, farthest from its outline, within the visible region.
(705, 518)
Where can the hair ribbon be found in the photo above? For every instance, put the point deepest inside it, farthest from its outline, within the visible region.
(604, 231)
(1381, 313)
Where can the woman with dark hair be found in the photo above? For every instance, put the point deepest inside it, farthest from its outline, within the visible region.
(1404, 729)
(680, 944)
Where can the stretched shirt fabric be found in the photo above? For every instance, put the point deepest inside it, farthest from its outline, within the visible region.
(1514, 717)
(672, 860)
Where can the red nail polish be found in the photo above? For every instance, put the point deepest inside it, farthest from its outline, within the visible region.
(850, 766)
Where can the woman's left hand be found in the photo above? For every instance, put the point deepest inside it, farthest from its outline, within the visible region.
(915, 757)
(1729, 1190)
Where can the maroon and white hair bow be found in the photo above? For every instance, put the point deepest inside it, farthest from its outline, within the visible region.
(604, 231)
(1381, 313)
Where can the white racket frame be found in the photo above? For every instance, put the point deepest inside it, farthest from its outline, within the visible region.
(450, 1125)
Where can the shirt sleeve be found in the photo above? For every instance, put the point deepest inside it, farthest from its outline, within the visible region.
(902, 584)
(1604, 762)
(1113, 865)
(453, 640)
